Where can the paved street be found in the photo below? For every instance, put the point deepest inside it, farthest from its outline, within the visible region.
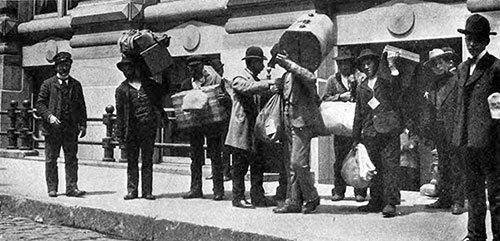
(17, 228)
(23, 194)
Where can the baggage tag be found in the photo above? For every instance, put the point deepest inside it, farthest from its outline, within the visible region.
(373, 103)
(270, 127)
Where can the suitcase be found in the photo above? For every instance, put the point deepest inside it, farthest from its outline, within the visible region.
(214, 112)
(309, 40)
(157, 58)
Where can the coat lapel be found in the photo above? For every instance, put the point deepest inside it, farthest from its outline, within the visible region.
(481, 67)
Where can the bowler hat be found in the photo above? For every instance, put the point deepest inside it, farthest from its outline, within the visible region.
(477, 25)
(344, 55)
(366, 53)
(195, 59)
(443, 52)
(254, 52)
(125, 60)
(61, 57)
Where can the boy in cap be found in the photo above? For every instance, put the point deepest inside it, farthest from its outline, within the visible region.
(62, 106)
(476, 132)
(246, 89)
(377, 125)
(341, 87)
(441, 96)
(138, 109)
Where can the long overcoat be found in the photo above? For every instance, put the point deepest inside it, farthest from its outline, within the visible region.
(475, 122)
(244, 111)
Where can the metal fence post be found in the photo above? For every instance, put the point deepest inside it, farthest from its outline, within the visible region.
(107, 145)
(25, 134)
(11, 131)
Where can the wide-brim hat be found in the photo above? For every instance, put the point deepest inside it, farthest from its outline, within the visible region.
(195, 59)
(477, 25)
(254, 52)
(365, 54)
(445, 52)
(126, 60)
(62, 57)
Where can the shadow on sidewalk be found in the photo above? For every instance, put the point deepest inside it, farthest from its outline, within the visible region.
(99, 193)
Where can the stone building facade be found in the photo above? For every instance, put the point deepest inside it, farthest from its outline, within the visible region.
(33, 30)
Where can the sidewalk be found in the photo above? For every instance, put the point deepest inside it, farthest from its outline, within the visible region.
(23, 192)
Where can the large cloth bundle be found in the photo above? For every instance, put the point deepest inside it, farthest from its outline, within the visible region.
(309, 40)
(151, 47)
(269, 126)
(338, 117)
(212, 112)
(358, 170)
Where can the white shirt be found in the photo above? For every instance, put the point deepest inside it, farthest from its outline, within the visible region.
(60, 78)
(345, 81)
(473, 65)
(371, 82)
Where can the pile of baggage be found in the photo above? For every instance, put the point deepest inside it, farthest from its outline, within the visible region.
(149, 46)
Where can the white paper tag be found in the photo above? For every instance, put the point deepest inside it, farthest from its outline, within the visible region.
(373, 103)
(270, 127)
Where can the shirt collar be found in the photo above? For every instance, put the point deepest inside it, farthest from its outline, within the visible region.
(481, 55)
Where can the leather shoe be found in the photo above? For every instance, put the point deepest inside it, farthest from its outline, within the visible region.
(75, 193)
(218, 197)
(288, 208)
(242, 204)
(337, 197)
(371, 208)
(193, 194)
(227, 178)
(52, 194)
(149, 197)
(389, 211)
(466, 239)
(130, 196)
(209, 177)
(310, 206)
(439, 204)
(457, 209)
(264, 202)
(360, 198)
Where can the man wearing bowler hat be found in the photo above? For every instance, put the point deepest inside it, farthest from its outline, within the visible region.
(377, 125)
(342, 87)
(245, 92)
(440, 102)
(62, 106)
(476, 132)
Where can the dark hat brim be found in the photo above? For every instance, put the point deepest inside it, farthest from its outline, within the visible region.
(254, 57)
(464, 31)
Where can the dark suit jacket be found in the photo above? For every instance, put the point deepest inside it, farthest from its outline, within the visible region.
(124, 102)
(301, 99)
(474, 126)
(386, 117)
(49, 103)
(442, 105)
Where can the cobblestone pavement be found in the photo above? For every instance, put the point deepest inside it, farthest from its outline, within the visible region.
(15, 228)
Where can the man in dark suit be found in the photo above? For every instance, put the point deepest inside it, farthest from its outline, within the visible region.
(138, 110)
(342, 87)
(476, 132)
(377, 125)
(62, 106)
(441, 97)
